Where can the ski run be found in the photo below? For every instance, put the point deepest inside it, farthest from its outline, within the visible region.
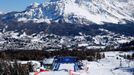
(112, 64)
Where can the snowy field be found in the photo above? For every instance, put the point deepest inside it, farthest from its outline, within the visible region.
(112, 64)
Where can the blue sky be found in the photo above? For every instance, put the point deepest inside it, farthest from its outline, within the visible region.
(16, 5)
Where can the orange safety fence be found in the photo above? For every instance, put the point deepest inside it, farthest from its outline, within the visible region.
(37, 73)
(73, 73)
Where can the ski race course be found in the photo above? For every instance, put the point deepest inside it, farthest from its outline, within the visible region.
(112, 64)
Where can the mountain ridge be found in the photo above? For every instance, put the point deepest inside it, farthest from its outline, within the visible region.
(57, 24)
(76, 12)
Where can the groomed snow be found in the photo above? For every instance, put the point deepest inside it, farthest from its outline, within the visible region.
(52, 73)
(112, 64)
(66, 67)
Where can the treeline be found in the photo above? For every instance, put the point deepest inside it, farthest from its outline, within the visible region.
(9, 68)
(128, 44)
(40, 54)
(121, 48)
(82, 53)
(128, 56)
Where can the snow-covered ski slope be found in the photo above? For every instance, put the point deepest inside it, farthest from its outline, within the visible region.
(112, 64)
(51, 73)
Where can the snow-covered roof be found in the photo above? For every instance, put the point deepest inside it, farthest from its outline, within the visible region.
(48, 61)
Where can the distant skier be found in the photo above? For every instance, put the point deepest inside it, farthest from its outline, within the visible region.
(86, 68)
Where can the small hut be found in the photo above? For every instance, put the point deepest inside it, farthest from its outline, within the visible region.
(47, 63)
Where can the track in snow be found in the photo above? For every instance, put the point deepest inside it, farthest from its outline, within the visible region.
(110, 65)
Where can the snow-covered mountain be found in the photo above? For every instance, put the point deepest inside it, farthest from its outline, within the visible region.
(1, 13)
(69, 23)
(79, 11)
